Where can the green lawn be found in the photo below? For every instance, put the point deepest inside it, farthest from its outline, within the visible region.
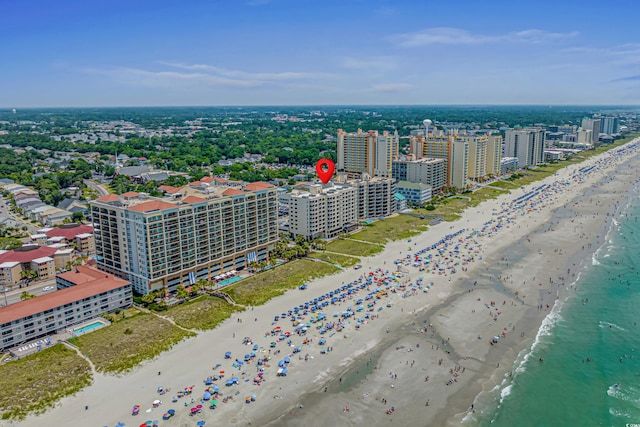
(124, 344)
(341, 260)
(352, 247)
(258, 289)
(398, 227)
(36, 382)
(203, 313)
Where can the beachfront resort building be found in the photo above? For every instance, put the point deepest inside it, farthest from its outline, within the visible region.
(594, 126)
(485, 152)
(86, 295)
(454, 151)
(328, 210)
(414, 192)
(432, 172)
(367, 152)
(525, 144)
(609, 125)
(195, 232)
(508, 164)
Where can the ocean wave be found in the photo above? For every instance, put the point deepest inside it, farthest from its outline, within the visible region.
(505, 392)
(545, 330)
(604, 324)
(625, 393)
(620, 414)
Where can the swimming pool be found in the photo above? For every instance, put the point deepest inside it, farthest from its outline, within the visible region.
(229, 281)
(88, 328)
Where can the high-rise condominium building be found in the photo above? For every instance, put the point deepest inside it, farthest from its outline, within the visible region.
(485, 152)
(594, 126)
(196, 232)
(609, 125)
(456, 152)
(326, 211)
(525, 144)
(432, 172)
(367, 152)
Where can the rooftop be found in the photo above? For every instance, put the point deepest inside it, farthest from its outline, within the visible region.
(92, 281)
(69, 231)
(27, 253)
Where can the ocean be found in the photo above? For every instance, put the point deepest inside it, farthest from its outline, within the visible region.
(584, 366)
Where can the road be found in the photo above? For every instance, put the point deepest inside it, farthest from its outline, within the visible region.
(35, 288)
(97, 187)
(4, 211)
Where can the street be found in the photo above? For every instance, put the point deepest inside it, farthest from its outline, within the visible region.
(35, 288)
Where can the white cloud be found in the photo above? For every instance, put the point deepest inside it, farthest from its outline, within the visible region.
(447, 35)
(378, 62)
(167, 78)
(390, 87)
(264, 77)
(201, 74)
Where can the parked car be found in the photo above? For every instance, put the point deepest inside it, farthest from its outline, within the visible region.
(48, 288)
(358, 266)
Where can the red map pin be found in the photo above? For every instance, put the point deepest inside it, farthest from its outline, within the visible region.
(325, 169)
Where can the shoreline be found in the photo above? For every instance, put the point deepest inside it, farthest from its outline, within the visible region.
(451, 306)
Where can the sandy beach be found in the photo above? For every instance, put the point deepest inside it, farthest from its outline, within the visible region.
(424, 354)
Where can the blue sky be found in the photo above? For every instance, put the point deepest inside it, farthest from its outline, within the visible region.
(307, 52)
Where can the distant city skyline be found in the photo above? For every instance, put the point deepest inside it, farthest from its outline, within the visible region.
(301, 52)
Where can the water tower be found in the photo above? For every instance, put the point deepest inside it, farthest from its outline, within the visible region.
(426, 123)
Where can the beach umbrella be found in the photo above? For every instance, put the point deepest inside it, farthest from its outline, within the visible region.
(201, 423)
(216, 388)
(171, 411)
(287, 360)
(206, 396)
(214, 402)
(235, 379)
(281, 363)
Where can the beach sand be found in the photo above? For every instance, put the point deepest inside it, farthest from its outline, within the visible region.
(508, 279)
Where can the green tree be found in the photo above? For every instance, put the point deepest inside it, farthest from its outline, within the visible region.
(181, 292)
(26, 295)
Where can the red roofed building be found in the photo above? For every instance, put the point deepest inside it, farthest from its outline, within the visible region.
(79, 234)
(169, 189)
(86, 293)
(232, 192)
(193, 199)
(42, 259)
(109, 198)
(152, 205)
(257, 186)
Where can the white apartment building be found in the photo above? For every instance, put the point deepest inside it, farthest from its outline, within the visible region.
(525, 144)
(326, 211)
(432, 172)
(594, 126)
(322, 212)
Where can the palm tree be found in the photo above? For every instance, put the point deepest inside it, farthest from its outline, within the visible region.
(148, 298)
(181, 292)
